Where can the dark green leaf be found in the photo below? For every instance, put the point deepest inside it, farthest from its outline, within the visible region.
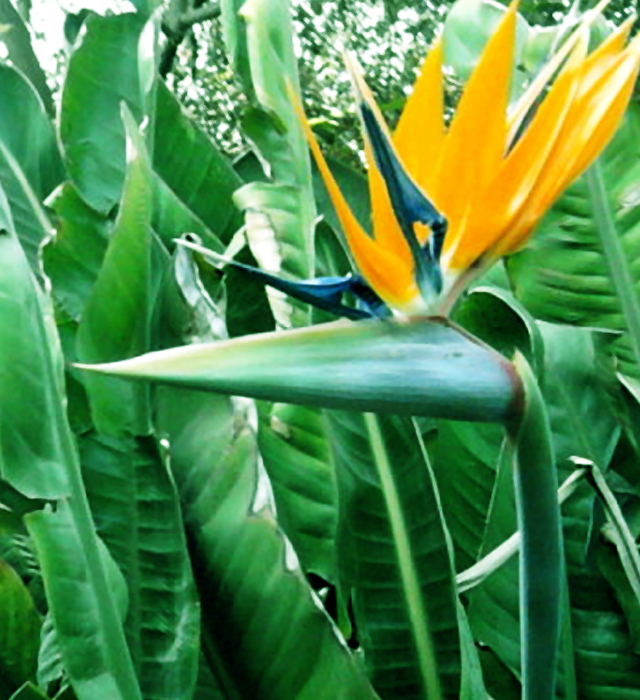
(282, 212)
(88, 636)
(30, 379)
(30, 164)
(465, 462)
(194, 169)
(17, 39)
(263, 633)
(171, 218)
(394, 556)
(19, 629)
(295, 451)
(73, 258)
(138, 517)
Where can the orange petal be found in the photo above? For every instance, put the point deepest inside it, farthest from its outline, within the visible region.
(420, 131)
(390, 276)
(589, 126)
(387, 230)
(606, 112)
(475, 143)
(527, 100)
(600, 60)
(495, 209)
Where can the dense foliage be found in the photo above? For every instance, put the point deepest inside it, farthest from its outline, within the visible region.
(352, 528)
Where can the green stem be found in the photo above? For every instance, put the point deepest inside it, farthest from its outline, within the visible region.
(619, 268)
(541, 567)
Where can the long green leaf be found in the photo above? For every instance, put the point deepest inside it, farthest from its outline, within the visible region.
(259, 615)
(465, 457)
(395, 557)
(116, 320)
(295, 450)
(193, 168)
(138, 517)
(419, 368)
(87, 626)
(263, 633)
(31, 375)
(73, 258)
(17, 39)
(29, 378)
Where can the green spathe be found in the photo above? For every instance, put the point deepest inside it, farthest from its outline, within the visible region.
(423, 367)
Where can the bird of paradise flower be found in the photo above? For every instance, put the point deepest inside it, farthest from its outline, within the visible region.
(448, 202)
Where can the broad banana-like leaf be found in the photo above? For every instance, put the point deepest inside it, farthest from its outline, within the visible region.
(468, 27)
(294, 447)
(30, 377)
(259, 613)
(280, 214)
(193, 168)
(424, 367)
(264, 635)
(87, 623)
(32, 387)
(103, 72)
(116, 319)
(138, 517)
(395, 558)
(17, 39)
(72, 259)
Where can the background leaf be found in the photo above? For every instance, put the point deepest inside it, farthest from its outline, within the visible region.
(138, 517)
(102, 73)
(20, 625)
(85, 634)
(30, 380)
(30, 164)
(295, 450)
(394, 557)
(264, 635)
(116, 320)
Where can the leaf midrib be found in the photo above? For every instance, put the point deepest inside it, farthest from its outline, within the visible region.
(418, 615)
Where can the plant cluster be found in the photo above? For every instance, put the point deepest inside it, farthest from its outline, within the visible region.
(209, 486)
